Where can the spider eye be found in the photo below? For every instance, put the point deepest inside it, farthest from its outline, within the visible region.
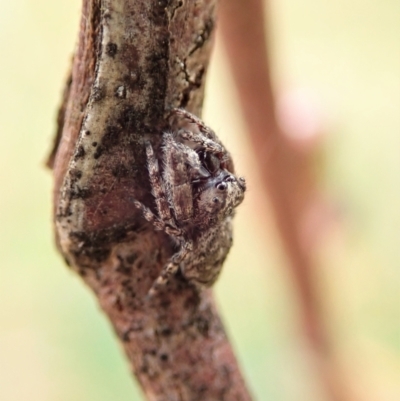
(222, 186)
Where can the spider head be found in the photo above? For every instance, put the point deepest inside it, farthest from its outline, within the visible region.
(214, 163)
(220, 195)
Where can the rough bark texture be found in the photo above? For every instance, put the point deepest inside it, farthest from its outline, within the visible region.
(135, 60)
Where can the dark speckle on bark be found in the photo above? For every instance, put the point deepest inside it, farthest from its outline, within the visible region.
(111, 49)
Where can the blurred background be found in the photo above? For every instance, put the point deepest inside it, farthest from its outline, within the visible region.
(338, 64)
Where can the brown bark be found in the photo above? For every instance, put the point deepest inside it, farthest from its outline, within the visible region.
(135, 60)
(286, 171)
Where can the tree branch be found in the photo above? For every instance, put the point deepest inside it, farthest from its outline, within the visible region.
(135, 60)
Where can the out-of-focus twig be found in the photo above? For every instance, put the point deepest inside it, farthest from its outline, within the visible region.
(285, 169)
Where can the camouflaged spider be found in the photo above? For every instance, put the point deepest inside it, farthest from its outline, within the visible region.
(195, 196)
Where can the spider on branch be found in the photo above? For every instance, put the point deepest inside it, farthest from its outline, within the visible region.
(196, 192)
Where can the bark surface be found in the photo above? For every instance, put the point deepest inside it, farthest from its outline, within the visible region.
(135, 61)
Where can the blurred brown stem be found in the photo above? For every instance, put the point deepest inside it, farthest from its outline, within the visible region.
(135, 60)
(286, 172)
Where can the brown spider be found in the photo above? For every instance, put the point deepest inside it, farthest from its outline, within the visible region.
(195, 195)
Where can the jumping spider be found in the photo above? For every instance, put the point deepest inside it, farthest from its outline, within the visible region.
(195, 196)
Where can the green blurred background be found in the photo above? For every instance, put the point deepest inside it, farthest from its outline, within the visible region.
(55, 344)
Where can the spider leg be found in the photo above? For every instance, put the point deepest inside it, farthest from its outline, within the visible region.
(177, 178)
(157, 185)
(192, 118)
(208, 144)
(171, 268)
(159, 224)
